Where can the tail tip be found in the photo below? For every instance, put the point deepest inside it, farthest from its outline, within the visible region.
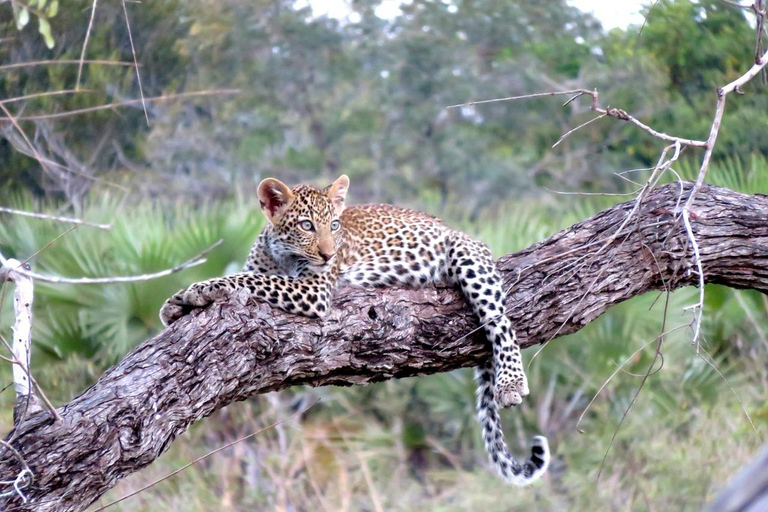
(541, 442)
(539, 456)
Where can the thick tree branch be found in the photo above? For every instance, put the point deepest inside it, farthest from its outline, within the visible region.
(229, 352)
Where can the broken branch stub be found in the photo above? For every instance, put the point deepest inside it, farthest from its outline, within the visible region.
(23, 294)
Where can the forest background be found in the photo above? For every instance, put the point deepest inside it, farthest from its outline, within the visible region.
(238, 91)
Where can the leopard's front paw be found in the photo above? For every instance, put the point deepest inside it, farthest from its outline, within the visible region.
(197, 295)
(511, 390)
(169, 313)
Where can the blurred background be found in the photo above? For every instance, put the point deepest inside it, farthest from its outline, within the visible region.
(238, 91)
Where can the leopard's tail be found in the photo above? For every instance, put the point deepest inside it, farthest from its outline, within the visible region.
(488, 413)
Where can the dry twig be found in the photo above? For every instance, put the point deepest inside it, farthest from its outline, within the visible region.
(192, 262)
(125, 103)
(85, 45)
(55, 218)
(135, 61)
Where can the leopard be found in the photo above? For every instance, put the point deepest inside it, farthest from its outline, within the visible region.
(313, 244)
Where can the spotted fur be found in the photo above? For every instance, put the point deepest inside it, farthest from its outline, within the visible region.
(312, 244)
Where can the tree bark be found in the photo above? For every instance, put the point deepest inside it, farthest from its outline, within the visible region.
(231, 351)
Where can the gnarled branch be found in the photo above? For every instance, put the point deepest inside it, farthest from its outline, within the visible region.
(231, 351)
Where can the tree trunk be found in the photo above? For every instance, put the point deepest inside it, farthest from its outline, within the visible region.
(230, 351)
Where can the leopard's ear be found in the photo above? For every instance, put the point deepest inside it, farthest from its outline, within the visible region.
(274, 196)
(337, 192)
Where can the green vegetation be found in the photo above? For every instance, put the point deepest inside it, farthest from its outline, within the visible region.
(417, 437)
(366, 96)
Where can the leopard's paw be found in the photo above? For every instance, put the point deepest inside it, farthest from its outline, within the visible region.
(510, 391)
(197, 295)
(169, 313)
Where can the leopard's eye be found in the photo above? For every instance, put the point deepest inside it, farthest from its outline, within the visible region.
(335, 225)
(306, 225)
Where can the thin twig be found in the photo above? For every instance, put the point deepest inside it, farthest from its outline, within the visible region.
(523, 97)
(85, 45)
(616, 113)
(711, 362)
(16, 125)
(658, 172)
(217, 450)
(587, 194)
(23, 479)
(166, 97)
(59, 62)
(43, 95)
(582, 125)
(136, 62)
(722, 93)
(22, 342)
(631, 403)
(698, 308)
(55, 218)
(193, 262)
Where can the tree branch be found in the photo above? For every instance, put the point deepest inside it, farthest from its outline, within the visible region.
(229, 352)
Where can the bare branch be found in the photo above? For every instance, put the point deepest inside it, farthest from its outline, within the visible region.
(44, 95)
(722, 93)
(59, 62)
(85, 45)
(577, 92)
(183, 468)
(135, 61)
(26, 400)
(193, 262)
(616, 113)
(582, 125)
(21, 132)
(23, 294)
(54, 217)
(108, 106)
(22, 480)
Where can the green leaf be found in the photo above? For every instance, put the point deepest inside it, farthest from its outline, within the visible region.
(23, 19)
(45, 31)
(52, 9)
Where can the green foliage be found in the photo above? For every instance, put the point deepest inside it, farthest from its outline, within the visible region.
(43, 11)
(366, 96)
(418, 433)
(731, 172)
(105, 321)
(100, 139)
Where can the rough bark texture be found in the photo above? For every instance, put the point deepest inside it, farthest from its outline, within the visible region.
(230, 352)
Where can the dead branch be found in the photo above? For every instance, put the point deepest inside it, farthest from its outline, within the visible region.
(26, 401)
(125, 103)
(135, 60)
(198, 259)
(232, 351)
(55, 218)
(63, 62)
(85, 45)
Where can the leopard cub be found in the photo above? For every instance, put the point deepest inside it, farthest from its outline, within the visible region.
(313, 244)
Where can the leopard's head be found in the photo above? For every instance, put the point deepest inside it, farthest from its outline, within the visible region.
(305, 220)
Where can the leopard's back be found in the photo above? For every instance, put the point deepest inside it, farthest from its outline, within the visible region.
(387, 245)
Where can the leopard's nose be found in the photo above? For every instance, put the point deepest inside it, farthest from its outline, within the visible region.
(326, 255)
